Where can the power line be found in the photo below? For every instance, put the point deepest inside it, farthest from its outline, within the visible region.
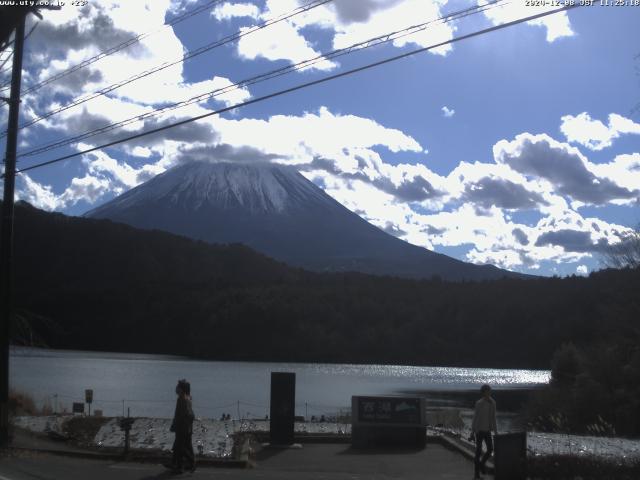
(265, 76)
(8, 43)
(11, 54)
(199, 51)
(2, 69)
(302, 86)
(117, 48)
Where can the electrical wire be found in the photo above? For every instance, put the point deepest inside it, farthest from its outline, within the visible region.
(189, 55)
(8, 43)
(303, 86)
(265, 76)
(2, 69)
(117, 48)
(8, 69)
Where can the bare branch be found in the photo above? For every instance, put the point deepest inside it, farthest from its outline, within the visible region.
(624, 254)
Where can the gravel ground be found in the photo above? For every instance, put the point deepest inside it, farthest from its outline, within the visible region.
(212, 438)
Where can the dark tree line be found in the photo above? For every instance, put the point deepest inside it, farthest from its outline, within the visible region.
(94, 284)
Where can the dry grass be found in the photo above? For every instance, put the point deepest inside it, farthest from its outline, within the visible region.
(21, 403)
(573, 467)
(82, 430)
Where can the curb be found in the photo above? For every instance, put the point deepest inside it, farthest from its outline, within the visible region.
(134, 457)
(457, 446)
(243, 461)
(263, 437)
(322, 438)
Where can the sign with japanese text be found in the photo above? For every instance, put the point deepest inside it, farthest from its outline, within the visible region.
(389, 410)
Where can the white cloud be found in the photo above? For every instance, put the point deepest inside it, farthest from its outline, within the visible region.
(389, 17)
(84, 36)
(120, 172)
(560, 236)
(557, 25)
(564, 167)
(280, 41)
(495, 185)
(38, 195)
(87, 188)
(343, 145)
(104, 109)
(353, 22)
(67, 38)
(582, 270)
(359, 12)
(227, 11)
(350, 23)
(104, 175)
(624, 170)
(487, 193)
(594, 134)
(344, 140)
(148, 91)
(448, 112)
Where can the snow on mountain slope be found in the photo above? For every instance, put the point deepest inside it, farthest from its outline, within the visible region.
(257, 188)
(275, 210)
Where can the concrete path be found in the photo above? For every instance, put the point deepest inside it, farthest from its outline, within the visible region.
(340, 461)
(312, 462)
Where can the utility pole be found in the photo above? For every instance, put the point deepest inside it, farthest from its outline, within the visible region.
(6, 239)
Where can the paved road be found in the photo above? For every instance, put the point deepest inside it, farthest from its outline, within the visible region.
(313, 462)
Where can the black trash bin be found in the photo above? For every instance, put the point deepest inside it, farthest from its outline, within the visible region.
(510, 456)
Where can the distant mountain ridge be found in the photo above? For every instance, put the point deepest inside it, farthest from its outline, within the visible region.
(278, 212)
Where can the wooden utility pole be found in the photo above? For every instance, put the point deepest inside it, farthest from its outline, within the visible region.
(6, 234)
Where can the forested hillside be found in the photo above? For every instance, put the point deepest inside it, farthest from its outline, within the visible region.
(93, 284)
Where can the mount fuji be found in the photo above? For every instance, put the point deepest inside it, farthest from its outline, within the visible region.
(277, 211)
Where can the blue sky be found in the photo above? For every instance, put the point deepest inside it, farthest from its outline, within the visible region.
(519, 148)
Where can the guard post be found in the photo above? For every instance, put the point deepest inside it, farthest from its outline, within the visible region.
(510, 456)
(126, 423)
(282, 408)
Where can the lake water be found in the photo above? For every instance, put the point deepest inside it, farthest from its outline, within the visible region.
(145, 383)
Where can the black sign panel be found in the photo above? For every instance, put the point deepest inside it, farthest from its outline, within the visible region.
(283, 402)
(88, 396)
(78, 407)
(389, 410)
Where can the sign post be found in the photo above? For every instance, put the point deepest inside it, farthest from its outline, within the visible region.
(88, 398)
(282, 411)
(126, 423)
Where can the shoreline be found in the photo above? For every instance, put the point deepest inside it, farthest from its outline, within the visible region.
(167, 356)
(216, 437)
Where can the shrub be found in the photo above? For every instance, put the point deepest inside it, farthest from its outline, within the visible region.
(21, 403)
(567, 363)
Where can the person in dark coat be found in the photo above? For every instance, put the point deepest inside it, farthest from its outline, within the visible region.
(182, 425)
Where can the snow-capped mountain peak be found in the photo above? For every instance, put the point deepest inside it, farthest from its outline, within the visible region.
(277, 211)
(256, 188)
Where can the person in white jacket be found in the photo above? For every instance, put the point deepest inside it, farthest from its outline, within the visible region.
(484, 422)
